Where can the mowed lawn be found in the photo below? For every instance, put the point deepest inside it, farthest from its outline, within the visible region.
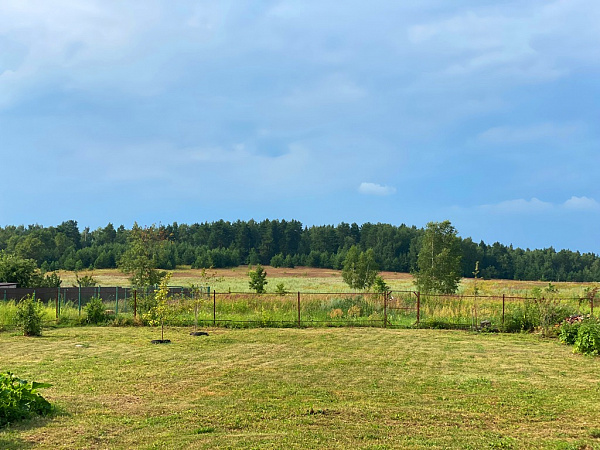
(305, 388)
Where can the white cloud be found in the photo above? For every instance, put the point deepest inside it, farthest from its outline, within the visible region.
(582, 204)
(376, 189)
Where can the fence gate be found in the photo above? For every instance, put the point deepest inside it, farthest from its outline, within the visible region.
(403, 308)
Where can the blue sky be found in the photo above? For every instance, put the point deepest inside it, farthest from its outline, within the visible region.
(485, 113)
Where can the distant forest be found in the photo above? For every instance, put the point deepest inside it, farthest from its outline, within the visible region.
(282, 243)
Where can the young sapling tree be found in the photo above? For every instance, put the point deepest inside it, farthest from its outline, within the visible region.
(161, 311)
(258, 279)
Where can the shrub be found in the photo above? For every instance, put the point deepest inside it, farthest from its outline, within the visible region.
(520, 319)
(551, 312)
(588, 339)
(280, 289)
(29, 316)
(19, 399)
(534, 313)
(144, 303)
(567, 333)
(95, 311)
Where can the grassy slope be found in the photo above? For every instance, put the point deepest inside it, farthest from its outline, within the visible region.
(310, 388)
(307, 279)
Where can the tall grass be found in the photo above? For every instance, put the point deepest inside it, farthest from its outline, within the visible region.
(244, 309)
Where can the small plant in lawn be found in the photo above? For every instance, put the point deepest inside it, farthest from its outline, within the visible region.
(160, 313)
(29, 316)
(19, 399)
(95, 312)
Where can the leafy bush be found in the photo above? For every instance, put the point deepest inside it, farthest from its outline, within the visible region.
(534, 313)
(19, 399)
(95, 311)
(144, 303)
(521, 318)
(588, 339)
(567, 333)
(551, 312)
(29, 316)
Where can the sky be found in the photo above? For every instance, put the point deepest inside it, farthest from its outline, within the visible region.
(481, 112)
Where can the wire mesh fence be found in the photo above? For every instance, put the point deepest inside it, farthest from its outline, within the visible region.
(499, 312)
(69, 302)
(398, 309)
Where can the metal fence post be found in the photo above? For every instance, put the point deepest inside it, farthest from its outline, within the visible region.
(116, 300)
(79, 300)
(592, 306)
(214, 308)
(385, 296)
(418, 307)
(503, 304)
(135, 303)
(57, 301)
(299, 320)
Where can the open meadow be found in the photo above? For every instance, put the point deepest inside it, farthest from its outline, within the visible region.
(305, 388)
(308, 279)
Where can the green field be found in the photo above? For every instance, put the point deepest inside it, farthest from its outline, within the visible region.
(307, 279)
(305, 388)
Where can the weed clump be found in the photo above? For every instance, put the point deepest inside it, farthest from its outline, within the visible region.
(29, 316)
(19, 399)
(95, 311)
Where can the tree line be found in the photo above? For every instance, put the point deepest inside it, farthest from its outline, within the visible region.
(283, 243)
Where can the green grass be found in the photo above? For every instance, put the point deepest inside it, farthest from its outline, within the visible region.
(304, 388)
